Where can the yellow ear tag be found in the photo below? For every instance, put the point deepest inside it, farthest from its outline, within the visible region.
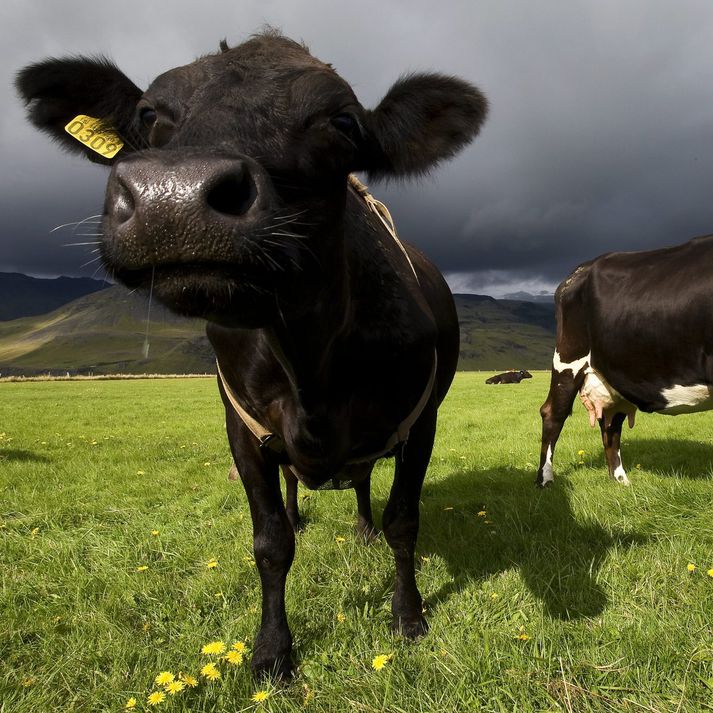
(94, 135)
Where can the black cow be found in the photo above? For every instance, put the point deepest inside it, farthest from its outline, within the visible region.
(335, 342)
(509, 377)
(634, 331)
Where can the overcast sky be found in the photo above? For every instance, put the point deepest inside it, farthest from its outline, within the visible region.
(600, 135)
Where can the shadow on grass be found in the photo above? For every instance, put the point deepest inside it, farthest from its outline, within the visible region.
(670, 457)
(533, 531)
(9, 454)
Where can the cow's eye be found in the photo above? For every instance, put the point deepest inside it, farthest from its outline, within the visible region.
(147, 117)
(347, 125)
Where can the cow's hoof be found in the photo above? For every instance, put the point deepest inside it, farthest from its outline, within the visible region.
(540, 483)
(270, 667)
(366, 531)
(413, 628)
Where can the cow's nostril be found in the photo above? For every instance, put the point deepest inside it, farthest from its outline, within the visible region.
(233, 194)
(122, 202)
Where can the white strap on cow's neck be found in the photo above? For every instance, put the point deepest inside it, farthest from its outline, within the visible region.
(382, 213)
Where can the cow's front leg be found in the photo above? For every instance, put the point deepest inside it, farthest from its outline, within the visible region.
(273, 545)
(563, 390)
(400, 523)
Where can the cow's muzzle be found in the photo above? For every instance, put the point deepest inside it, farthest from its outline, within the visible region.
(165, 210)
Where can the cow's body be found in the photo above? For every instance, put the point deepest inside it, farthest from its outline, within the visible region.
(509, 377)
(634, 331)
(231, 199)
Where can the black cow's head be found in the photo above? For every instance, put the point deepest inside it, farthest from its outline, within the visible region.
(231, 183)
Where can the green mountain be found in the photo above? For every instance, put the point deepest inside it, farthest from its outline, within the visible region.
(105, 333)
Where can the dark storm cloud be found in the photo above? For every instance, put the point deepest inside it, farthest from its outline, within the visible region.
(599, 137)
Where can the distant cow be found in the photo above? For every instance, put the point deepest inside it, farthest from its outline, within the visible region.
(231, 199)
(509, 377)
(634, 331)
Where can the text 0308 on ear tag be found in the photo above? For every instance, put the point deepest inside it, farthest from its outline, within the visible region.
(94, 135)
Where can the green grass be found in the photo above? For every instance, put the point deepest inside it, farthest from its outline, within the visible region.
(595, 574)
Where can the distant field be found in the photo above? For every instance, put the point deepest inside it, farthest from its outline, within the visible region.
(576, 598)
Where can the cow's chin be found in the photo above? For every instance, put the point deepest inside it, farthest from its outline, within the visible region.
(207, 291)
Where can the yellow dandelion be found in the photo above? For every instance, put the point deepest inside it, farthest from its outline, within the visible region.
(482, 513)
(156, 697)
(710, 572)
(142, 568)
(140, 472)
(522, 635)
(261, 696)
(341, 617)
(218, 595)
(212, 563)
(155, 533)
(494, 596)
(34, 532)
(214, 648)
(338, 538)
(233, 657)
(249, 560)
(164, 678)
(175, 687)
(307, 694)
(190, 681)
(206, 464)
(691, 567)
(210, 672)
(130, 704)
(443, 653)
(380, 661)
(580, 453)
(239, 646)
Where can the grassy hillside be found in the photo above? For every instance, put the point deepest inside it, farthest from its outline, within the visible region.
(504, 334)
(104, 333)
(575, 598)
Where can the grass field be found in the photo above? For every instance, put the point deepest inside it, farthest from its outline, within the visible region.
(114, 500)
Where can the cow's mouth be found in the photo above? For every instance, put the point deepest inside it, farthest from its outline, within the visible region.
(211, 290)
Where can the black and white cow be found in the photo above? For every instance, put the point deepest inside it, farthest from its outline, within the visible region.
(634, 331)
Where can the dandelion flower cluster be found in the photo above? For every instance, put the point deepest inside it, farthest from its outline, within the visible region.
(212, 563)
(130, 704)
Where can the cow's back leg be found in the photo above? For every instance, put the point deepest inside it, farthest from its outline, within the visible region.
(400, 523)
(365, 523)
(293, 511)
(611, 438)
(564, 386)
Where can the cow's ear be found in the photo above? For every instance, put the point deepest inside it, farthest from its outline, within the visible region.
(57, 90)
(422, 120)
